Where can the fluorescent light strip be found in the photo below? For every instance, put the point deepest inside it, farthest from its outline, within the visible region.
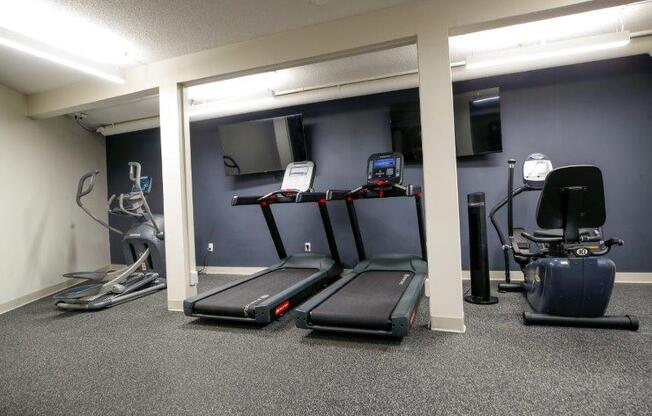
(484, 100)
(556, 49)
(61, 61)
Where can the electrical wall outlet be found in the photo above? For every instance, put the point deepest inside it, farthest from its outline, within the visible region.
(307, 247)
(210, 247)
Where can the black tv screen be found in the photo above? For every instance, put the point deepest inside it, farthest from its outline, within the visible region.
(405, 124)
(477, 122)
(264, 145)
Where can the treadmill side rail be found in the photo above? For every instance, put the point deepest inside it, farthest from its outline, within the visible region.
(405, 312)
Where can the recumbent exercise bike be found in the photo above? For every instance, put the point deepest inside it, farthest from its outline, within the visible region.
(567, 281)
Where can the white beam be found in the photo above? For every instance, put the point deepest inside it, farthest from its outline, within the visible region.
(179, 232)
(440, 183)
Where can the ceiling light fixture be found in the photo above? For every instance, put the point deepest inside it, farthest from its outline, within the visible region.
(42, 54)
(486, 100)
(248, 86)
(549, 50)
(63, 29)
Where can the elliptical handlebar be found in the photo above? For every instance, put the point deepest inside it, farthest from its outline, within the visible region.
(87, 184)
(83, 190)
(134, 176)
(134, 172)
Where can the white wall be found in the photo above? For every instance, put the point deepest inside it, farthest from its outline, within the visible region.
(43, 233)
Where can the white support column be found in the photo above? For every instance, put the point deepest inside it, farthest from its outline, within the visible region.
(440, 181)
(177, 197)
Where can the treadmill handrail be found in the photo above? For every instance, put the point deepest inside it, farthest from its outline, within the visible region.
(276, 197)
(370, 191)
(380, 189)
(320, 198)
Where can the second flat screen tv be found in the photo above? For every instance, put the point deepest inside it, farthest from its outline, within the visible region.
(264, 145)
(477, 122)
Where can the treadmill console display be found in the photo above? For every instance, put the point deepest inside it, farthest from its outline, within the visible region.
(386, 167)
(298, 176)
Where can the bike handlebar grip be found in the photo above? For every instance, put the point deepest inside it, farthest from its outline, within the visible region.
(134, 172)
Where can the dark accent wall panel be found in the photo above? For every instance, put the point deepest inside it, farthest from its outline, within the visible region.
(140, 146)
(599, 113)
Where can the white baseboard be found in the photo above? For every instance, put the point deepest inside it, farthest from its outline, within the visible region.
(495, 275)
(244, 271)
(621, 277)
(39, 294)
(175, 305)
(230, 270)
(447, 324)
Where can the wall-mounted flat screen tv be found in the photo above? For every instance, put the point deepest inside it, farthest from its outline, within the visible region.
(477, 122)
(264, 145)
(405, 124)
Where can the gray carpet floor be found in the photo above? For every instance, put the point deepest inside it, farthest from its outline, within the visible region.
(139, 359)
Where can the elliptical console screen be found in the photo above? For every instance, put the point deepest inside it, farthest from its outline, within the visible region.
(385, 167)
(145, 184)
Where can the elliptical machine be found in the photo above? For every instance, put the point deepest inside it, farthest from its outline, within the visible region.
(567, 282)
(142, 246)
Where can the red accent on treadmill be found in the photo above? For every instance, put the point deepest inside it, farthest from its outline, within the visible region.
(413, 316)
(381, 193)
(263, 203)
(322, 201)
(418, 195)
(380, 182)
(280, 309)
(349, 199)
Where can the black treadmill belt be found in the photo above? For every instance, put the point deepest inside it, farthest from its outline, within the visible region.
(365, 302)
(240, 300)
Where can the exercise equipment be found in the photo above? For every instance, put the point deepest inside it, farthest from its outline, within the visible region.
(568, 282)
(142, 245)
(479, 257)
(269, 294)
(380, 296)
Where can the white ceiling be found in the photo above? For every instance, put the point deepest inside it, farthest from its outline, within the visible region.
(635, 18)
(354, 68)
(166, 28)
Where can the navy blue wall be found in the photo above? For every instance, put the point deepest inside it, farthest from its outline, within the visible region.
(598, 113)
(141, 146)
(340, 136)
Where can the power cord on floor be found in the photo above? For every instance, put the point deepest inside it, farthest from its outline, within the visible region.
(203, 268)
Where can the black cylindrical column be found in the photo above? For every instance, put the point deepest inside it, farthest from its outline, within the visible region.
(480, 290)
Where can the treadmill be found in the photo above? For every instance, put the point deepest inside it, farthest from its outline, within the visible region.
(269, 294)
(380, 296)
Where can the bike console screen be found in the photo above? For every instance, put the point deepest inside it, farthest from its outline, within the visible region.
(385, 167)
